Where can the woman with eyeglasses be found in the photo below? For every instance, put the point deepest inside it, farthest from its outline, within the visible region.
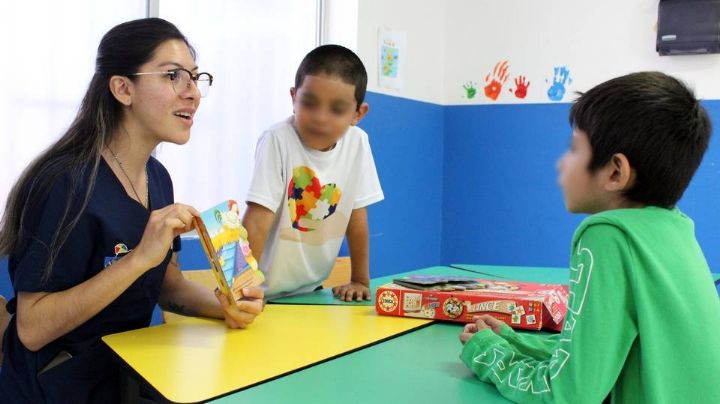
(91, 229)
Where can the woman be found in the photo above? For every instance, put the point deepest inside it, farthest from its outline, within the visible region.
(91, 231)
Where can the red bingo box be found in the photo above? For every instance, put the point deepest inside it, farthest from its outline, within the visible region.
(521, 305)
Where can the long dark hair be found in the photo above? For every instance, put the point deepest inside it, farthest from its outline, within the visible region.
(122, 51)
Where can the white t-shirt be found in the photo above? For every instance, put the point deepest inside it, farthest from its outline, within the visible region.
(312, 194)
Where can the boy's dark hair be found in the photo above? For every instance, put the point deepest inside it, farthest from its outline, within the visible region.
(656, 122)
(335, 60)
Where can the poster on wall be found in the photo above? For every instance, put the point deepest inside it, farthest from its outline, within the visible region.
(392, 56)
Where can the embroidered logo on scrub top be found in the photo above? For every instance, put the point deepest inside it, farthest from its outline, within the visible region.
(120, 251)
(309, 201)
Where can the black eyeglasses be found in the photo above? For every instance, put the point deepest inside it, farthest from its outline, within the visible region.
(182, 78)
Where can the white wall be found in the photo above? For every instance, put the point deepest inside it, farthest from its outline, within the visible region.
(423, 61)
(596, 40)
(341, 23)
(456, 43)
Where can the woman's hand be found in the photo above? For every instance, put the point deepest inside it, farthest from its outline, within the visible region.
(245, 310)
(162, 227)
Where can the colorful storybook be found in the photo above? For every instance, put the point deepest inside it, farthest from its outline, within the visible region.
(226, 245)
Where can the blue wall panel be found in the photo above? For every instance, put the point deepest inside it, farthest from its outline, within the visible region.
(477, 184)
(701, 200)
(6, 288)
(406, 137)
(405, 228)
(502, 204)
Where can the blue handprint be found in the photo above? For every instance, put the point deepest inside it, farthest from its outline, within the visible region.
(556, 92)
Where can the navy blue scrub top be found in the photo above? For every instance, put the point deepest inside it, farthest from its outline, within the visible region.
(111, 225)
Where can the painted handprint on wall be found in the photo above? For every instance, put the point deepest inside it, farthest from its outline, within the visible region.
(521, 87)
(470, 89)
(496, 79)
(561, 77)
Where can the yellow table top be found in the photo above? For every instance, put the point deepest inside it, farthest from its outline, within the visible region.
(198, 359)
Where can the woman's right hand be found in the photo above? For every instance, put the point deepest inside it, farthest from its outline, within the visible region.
(162, 227)
(244, 312)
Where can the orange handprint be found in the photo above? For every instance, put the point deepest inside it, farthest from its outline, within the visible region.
(521, 86)
(495, 83)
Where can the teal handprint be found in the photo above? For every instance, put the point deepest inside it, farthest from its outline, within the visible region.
(561, 77)
(470, 89)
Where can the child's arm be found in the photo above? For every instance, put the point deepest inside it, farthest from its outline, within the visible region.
(593, 347)
(357, 236)
(257, 221)
(538, 346)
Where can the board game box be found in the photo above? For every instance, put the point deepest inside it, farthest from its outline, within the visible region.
(522, 305)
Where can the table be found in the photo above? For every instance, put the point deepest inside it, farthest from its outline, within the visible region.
(283, 359)
(198, 359)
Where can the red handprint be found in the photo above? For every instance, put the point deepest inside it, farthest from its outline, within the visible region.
(521, 86)
(499, 76)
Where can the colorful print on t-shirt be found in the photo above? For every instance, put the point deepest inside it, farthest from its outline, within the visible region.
(310, 200)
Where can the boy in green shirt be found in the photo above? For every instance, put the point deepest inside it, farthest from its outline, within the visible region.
(643, 317)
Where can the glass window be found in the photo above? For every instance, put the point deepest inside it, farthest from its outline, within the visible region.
(48, 59)
(252, 49)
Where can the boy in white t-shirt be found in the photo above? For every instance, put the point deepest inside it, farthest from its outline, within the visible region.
(314, 177)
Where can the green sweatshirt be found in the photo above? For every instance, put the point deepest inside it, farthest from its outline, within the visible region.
(643, 321)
